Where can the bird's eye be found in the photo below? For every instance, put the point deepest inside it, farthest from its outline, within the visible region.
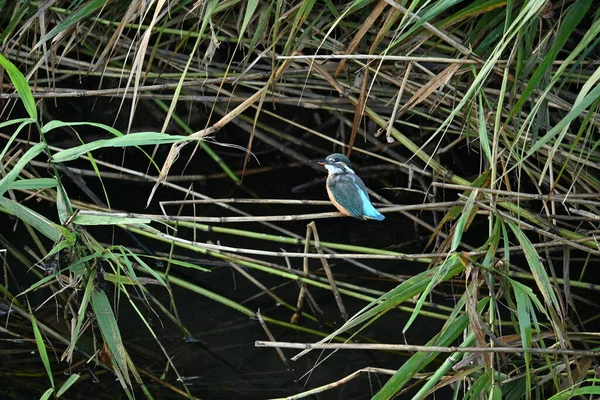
(336, 159)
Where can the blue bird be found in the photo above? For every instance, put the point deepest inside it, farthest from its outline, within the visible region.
(346, 190)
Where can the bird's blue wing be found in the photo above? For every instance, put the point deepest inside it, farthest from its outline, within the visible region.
(361, 185)
(368, 210)
(351, 193)
(347, 194)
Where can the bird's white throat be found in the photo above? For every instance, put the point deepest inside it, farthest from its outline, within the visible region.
(336, 169)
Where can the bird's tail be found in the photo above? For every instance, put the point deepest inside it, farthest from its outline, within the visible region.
(371, 213)
(376, 216)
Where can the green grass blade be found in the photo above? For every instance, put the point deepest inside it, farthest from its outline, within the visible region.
(60, 246)
(10, 177)
(529, 11)
(437, 8)
(440, 273)
(261, 28)
(250, 9)
(476, 388)
(23, 123)
(68, 383)
(55, 124)
(89, 219)
(524, 310)
(483, 135)
(21, 9)
(451, 331)
(39, 341)
(81, 315)
(571, 393)
(121, 261)
(18, 80)
(573, 17)
(111, 334)
(47, 394)
(64, 207)
(71, 20)
(33, 184)
(133, 139)
(388, 301)
(465, 217)
(578, 108)
(496, 393)
(492, 243)
(441, 372)
(300, 18)
(187, 265)
(38, 221)
(145, 267)
(537, 269)
(121, 279)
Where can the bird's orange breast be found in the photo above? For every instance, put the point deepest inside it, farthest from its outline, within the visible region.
(336, 204)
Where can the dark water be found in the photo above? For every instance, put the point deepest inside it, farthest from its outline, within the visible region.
(221, 362)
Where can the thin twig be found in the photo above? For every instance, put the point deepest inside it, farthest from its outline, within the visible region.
(338, 383)
(262, 218)
(530, 196)
(272, 338)
(336, 293)
(428, 349)
(376, 57)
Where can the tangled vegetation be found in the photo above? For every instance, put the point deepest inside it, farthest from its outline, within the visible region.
(476, 123)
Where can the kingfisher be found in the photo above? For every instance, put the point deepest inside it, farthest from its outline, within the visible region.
(346, 190)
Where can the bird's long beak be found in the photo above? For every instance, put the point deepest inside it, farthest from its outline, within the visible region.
(320, 162)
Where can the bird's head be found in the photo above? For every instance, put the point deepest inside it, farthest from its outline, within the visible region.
(336, 163)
